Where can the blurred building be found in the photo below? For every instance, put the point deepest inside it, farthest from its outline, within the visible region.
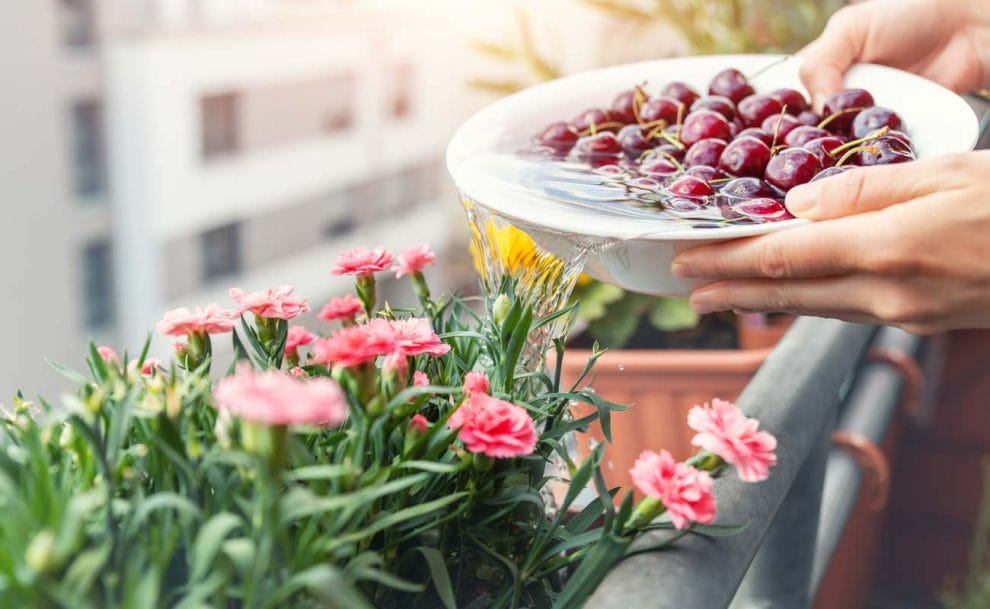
(161, 151)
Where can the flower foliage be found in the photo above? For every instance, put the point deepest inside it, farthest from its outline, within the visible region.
(399, 460)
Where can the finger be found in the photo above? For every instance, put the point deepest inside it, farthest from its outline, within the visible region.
(864, 189)
(826, 60)
(850, 298)
(814, 250)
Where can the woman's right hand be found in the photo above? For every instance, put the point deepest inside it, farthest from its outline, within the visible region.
(947, 41)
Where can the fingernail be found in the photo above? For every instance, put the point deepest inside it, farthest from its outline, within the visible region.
(680, 269)
(702, 302)
(818, 101)
(800, 200)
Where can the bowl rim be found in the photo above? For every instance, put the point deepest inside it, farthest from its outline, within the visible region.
(474, 187)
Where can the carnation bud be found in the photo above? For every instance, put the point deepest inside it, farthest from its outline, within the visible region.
(500, 310)
(65, 438)
(40, 555)
(173, 402)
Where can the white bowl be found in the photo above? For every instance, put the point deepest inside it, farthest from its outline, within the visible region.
(635, 253)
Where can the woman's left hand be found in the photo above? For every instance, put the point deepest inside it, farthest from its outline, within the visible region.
(906, 245)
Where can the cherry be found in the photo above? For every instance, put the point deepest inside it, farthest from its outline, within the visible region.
(885, 150)
(763, 209)
(840, 108)
(684, 204)
(558, 136)
(623, 105)
(716, 103)
(900, 135)
(600, 146)
(760, 134)
(705, 152)
(668, 149)
(830, 171)
(874, 118)
(593, 116)
(757, 108)
(705, 172)
(786, 122)
(660, 168)
(661, 108)
(690, 186)
(745, 156)
(800, 136)
(730, 83)
(822, 148)
(792, 99)
(704, 124)
(681, 92)
(633, 140)
(746, 188)
(792, 167)
(809, 118)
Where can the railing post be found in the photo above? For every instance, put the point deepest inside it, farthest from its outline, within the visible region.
(780, 576)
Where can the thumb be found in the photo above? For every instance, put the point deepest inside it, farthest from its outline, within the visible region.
(825, 61)
(860, 190)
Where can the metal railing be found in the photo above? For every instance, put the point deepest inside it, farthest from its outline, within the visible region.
(825, 376)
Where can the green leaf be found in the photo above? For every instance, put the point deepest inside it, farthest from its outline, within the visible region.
(430, 466)
(673, 314)
(162, 501)
(439, 575)
(299, 503)
(209, 541)
(323, 581)
(73, 375)
(616, 327)
(84, 570)
(319, 472)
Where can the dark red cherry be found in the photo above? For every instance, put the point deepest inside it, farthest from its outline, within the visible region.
(705, 172)
(659, 168)
(900, 135)
(800, 136)
(705, 152)
(792, 167)
(690, 186)
(822, 148)
(600, 146)
(757, 108)
(670, 150)
(633, 140)
(684, 204)
(622, 106)
(681, 92)
(787, 123)
(730, 83)
(830, 171)
(874, 118)
(558, 136)
(661, 108)
(702, 125)
(792, 99)
(716, 103)
(758, 133)
(842, 107)
(746, 188)
(764, 209)
(745, 156)
(593, 116)
(809, 118)
(884, 151)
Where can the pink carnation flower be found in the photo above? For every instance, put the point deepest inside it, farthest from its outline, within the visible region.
(362, 262)
(212, 320)
(344, 307)
(353, 346)
(724, 430)
(685, 491)
(414, 260)
(298, 337)
(416, 337)
(420, 379)
(397, 363)
(275, 398)
(298, 373)
(273, 303)
(150, 365)
(494, 427)
(476, 382)
(419, 423)
(107, 354)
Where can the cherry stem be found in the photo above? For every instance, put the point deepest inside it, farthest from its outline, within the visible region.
(639, 98)
(831, 117)
(849, 153)
(776, 131)
(872, 135)
(593, 129)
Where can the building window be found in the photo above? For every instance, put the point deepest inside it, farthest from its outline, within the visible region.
(402, 90)
(98, 288)
(220, 124)
(88, 157)
(76, 19)
(221, 251)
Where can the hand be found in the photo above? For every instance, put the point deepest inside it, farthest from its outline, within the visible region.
(905, 245)
(947, 41)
